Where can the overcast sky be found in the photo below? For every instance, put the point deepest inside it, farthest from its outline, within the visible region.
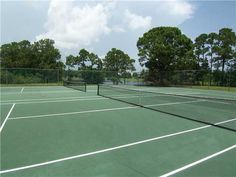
(99, 26)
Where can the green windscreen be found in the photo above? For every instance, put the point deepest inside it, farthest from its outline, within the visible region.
(75, 85)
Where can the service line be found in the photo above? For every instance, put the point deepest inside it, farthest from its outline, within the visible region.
(4, 122)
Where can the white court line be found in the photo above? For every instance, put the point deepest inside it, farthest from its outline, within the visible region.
(44, 99)
(30, 101)
(195, 99)
(198, 162)
(4, 122)
(72, 113)
(62, 98)
(178, 93)
(57, 101)
(167, 104)
(226, 121)
(173, 94)
(211, 95)
(22, 90)
(41, 87)
(207, 97)
(102, 151)
(108, 149)
(192, 93)
(91, 111)
(65, 91)
(65, 100)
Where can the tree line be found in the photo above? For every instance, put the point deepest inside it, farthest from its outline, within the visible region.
(40, 54)
(161, 50)
(166, 49)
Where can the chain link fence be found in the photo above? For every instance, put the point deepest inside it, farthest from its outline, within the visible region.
(187, 78)
(30, 76)
(190, 78)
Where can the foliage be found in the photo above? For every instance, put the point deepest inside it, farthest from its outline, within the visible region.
(226, 46)
(218, 50)
(163, 49)
(70, 61)
(120, 63)
(89, 65)
(84, 60)
(200, 50)
(41, 54)
(164, 52)
(212, 41)
(117, 60)
(29, 76)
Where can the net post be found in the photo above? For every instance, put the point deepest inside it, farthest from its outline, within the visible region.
(85, 85)
(98, 90)
(58, 80)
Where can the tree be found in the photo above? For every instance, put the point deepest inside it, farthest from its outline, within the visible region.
(233, 66)
(46, 54)
(118, 62)
(85, 60)
(60, 65)
(89, 66)
(187, 62)
(41, 54)
(161, 49)
(212, 41)
(201, 49)
(95, 61)
(23, 62)
(70, 61)
(16, 55)
(82, 58)
(225, 50)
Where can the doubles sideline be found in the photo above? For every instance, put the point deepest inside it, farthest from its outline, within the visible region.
(63, 99)
(7, 117)
(68, 99)
(198, 161)
(57, 101)
(45, 99)
(63, 91)
(100, 110)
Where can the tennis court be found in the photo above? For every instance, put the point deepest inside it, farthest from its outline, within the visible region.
(59, 131)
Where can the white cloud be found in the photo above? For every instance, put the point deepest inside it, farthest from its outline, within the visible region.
(73, 26)
(181, 8)
(136, 21)
(174, 12)
(76, 24)
(118, 29)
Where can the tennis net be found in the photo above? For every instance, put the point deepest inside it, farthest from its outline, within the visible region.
(75, 85)
(218, 112)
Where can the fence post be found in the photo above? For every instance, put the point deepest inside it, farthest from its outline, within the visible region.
(6, 77)
(229, 81)
(58, 76)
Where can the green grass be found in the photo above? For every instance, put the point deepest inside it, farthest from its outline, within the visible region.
(33, 84)
(230, 89)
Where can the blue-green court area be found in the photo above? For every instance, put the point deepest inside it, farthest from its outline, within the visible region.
(58, 131)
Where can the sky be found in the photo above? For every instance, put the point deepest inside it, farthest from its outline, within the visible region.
(99, 26)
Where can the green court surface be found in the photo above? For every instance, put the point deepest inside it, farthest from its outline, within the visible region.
(58, 131)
